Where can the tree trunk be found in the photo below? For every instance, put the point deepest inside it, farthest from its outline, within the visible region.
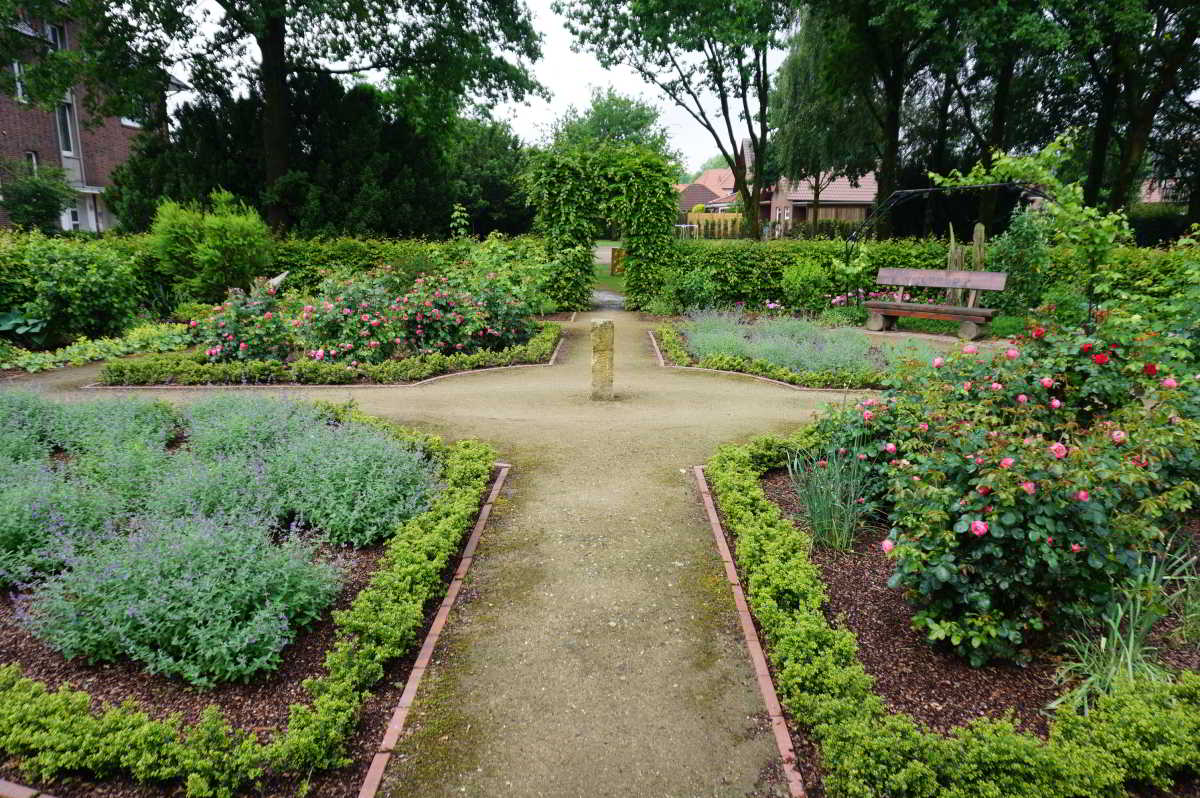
(272, 42)
(938, 155)
(816, 205)
(1102, 133)
(750, 209)
(889, 166)
(996, 136)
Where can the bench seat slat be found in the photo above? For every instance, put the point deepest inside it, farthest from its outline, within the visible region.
(943, 278)
(908, 308)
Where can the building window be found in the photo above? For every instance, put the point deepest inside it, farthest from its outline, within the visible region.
(19, 82)
(31, 158)
(66, 127)
(73, 217)
(127, 122)
(57, 35)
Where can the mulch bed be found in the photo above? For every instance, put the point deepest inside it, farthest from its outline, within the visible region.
(930, 684)
(561, 316)
(261, 706)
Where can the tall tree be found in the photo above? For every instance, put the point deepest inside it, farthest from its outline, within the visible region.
(691, 52)
(619, 119)
(1136, 52)
(880, 48)
(820, 134)
(477, 47)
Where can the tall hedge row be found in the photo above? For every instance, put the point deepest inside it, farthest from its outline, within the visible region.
(806, 274)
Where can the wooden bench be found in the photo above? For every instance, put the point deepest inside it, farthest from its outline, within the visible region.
(973, 320)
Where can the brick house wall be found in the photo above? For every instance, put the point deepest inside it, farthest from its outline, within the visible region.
(103, 146)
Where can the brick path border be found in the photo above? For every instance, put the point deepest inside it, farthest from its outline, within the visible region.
(395, 727)
(10, 790)
(762, 673)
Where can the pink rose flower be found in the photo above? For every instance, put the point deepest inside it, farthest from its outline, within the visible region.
(938, 362)
(978, 461)
(890, 448)
(868, 415)
(966, 386)
(1047, 382)
(1082, 495)
(1022, 398)
(1058, 450)
(193, 323)
(1029, 488)
(1055, 404)
(983, 490)
(1049, 541)
(970, 349)
(1007, 462)
(997, 386)
(923, 427)
(862, 457)
(1118, 436)
(887, 546)
(1170, 382)
(243, 346)
(1012, 354)
(1076, 548)
(268, 315)
(979, 528)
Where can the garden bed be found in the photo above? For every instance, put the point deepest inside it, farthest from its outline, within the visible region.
(673, 346)
(196, 370)
(853, 698)
(313, 723)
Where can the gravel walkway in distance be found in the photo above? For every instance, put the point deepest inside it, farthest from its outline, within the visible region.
(595, 651)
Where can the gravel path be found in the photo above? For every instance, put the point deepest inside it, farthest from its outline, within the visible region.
(595, 651)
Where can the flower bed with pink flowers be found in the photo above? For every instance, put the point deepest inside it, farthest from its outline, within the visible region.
(1034, 499)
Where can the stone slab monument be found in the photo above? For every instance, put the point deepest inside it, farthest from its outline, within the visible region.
(602, 360)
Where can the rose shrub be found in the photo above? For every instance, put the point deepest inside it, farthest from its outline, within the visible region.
(246, 327)
(351, 322)
(440, 315)
(1024, 486)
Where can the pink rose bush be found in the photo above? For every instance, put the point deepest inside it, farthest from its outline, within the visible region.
(981, 484)
(245, 327)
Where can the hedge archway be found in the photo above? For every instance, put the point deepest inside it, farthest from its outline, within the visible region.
(578, 191)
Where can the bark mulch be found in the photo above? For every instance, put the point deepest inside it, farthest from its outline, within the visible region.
(928, 683)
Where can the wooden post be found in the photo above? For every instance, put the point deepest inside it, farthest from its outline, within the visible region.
(602, 360)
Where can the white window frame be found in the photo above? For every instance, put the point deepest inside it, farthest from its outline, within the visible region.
(31, 158)
(133, 123)
(56, 34)
(68, 104)
(19, 79)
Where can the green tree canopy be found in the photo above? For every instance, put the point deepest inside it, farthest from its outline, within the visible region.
(127, 49)
(820, 134)
(617, 119)
(694, 51)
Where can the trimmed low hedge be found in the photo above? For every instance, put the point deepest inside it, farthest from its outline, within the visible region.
(55, 732)
(194, 368)
(1144, 734)
(671, 341)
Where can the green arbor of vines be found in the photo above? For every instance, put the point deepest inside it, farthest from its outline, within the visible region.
(577, 191)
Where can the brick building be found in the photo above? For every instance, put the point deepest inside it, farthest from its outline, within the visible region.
(87, 153)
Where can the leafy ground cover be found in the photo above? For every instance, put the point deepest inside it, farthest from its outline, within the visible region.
(793, 350)
(194, 546)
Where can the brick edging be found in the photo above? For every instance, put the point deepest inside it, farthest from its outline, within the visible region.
(395, 727)
(762, 673)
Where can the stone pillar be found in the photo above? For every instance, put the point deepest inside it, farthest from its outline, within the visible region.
(602, 359)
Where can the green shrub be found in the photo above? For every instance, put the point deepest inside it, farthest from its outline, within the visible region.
(188, 485)
(350, 482)
(1157, 223)
(77, 288)
(203, 254)
(203, 599)
(100, 425)
(1023, 253)
(35, 198)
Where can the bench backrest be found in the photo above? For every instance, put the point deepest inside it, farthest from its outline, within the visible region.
(943, 278)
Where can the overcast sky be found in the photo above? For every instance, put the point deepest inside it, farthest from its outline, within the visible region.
(570, 77)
